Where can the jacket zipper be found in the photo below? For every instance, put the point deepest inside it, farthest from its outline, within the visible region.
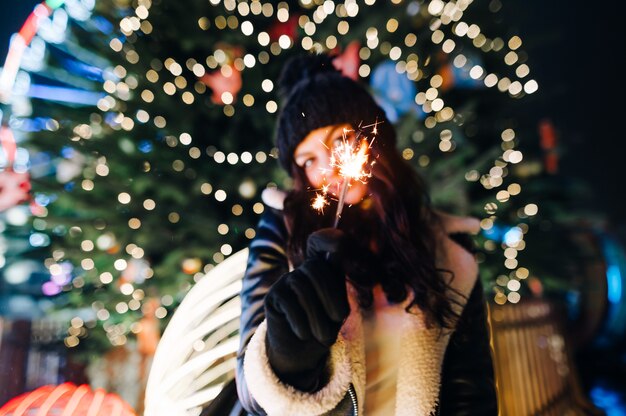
(352, 394)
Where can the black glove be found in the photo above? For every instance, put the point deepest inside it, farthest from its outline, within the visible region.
(305, 310)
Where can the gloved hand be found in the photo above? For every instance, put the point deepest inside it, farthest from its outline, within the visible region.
(305, 310)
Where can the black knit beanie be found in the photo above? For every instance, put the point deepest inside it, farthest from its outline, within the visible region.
(314, 95)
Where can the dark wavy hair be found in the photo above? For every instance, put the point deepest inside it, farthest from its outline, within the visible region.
(397, 216)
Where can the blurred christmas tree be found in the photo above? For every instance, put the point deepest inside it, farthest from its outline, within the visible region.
(149, 126)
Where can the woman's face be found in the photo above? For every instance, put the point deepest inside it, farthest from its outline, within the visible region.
(313, 155)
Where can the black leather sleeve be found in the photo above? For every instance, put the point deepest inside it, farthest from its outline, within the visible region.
(468, 386)
(267, 261)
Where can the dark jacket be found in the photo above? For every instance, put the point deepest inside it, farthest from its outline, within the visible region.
(467, 378)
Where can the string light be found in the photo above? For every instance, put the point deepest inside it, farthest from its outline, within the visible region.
(447, 29)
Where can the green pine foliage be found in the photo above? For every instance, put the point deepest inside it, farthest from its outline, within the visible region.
(167, 181)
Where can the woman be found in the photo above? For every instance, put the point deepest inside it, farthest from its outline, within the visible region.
(384, 315)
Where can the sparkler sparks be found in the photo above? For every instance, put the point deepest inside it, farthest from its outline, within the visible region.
(350, 160)
(319, 202)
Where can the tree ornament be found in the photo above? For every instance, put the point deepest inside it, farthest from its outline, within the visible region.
(14, 188)
(191, 265)
(288, 28)
(225, 82)
(220, 84)
(458, 76)
(150, 333)
(348, 61)
(394, 92)
(147, 341)
(548, 137)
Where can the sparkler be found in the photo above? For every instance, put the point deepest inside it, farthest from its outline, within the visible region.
(319, 202)
(350, 159)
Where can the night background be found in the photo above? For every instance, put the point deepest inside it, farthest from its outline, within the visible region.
(576, 52)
